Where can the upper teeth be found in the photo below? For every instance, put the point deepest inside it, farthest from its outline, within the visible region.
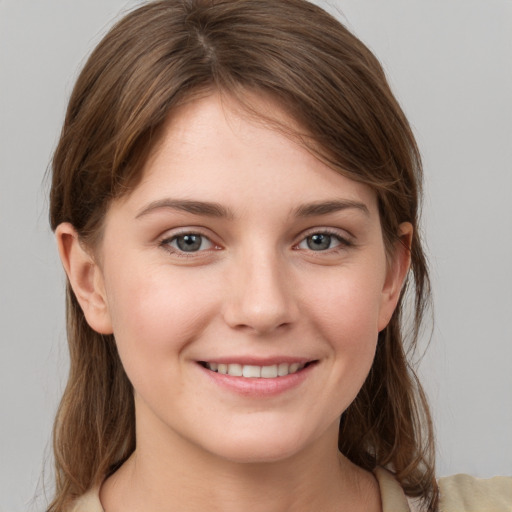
(252, 371)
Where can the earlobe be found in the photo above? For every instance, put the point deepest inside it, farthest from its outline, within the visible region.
(85, 277)
(396, 274)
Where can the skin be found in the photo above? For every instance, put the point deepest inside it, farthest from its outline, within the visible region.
(257, 287)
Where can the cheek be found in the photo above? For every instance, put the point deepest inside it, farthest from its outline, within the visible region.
(348, 305)
(155, 315)
(346, 315)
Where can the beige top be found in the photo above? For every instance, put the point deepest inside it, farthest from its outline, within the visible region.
(459, 493)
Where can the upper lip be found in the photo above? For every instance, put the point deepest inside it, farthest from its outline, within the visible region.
(258, 361)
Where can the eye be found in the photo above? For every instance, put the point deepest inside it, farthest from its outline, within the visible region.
(188, 242)
(322, 242)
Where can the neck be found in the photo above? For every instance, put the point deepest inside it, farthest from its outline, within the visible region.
(177, 475)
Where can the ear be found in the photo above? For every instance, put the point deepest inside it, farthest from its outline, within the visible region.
(85, 277)
(396, 273)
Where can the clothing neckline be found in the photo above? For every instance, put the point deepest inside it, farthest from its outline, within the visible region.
(392, 495)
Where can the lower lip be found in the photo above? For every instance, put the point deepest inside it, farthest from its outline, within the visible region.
(259, 387)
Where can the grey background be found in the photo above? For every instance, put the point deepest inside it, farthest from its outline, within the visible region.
(450, 64)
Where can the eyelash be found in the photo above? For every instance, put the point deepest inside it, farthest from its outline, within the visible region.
(343, 243)
(166, 244)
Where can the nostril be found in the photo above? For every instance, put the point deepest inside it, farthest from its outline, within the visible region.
(261, 326)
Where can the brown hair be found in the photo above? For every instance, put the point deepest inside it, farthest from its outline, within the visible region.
(163, 54)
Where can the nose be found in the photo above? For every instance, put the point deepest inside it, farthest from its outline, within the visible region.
(260, 296)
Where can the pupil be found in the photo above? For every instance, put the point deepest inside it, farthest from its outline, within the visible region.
(189, 243)
(319, 242)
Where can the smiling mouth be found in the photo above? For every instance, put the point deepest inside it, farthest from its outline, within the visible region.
(256, 372)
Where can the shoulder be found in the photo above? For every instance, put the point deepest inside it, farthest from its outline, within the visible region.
(458, 493)
(465, 493)
(89, 502)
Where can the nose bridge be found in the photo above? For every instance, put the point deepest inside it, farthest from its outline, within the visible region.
(260, 292)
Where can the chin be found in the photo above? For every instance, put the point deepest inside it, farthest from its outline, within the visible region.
(260, 445)
(257, 453)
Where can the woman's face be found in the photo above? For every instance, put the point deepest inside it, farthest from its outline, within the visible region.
(245, 283)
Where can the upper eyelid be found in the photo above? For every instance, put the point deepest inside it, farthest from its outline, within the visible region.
(165, 240)
(343, 234)
(344, 241)
(171, 234)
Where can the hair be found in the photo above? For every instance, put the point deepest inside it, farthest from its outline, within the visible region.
(155, 59)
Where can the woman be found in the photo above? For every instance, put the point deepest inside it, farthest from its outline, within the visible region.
(235, 197)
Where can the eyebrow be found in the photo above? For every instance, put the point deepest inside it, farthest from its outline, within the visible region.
(195, 207)
(326, 207)
(210, 209)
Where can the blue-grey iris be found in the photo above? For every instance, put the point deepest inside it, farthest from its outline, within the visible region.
(319, 242)
(189, 243)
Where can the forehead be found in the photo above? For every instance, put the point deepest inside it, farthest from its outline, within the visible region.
(213, 149)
